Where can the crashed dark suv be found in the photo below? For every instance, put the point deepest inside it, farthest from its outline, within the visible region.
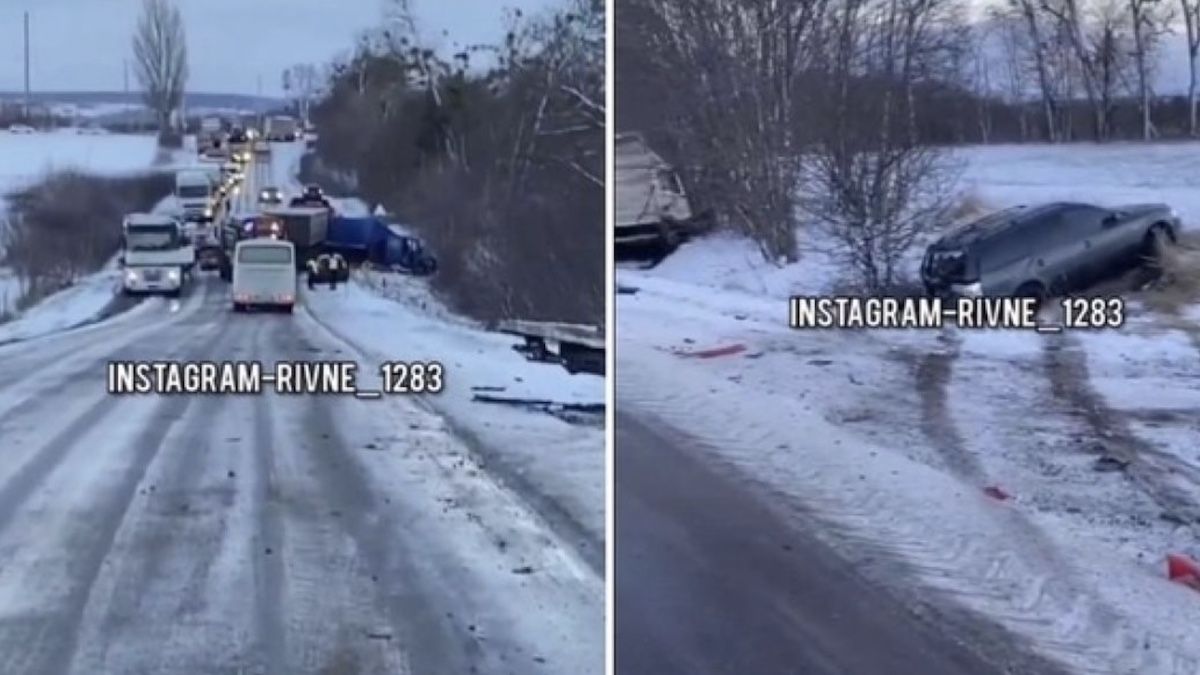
(1047, 250)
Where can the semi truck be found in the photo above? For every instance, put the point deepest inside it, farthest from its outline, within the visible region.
(157, 256)
(197, 195)
(282, 128)
(211, 134)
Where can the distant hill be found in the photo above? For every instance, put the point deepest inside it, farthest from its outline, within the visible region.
(115, 98)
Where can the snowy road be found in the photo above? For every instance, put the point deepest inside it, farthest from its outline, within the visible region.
(697, 542)
(260, 534)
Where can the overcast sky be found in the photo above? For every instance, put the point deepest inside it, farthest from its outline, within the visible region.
(83, 44)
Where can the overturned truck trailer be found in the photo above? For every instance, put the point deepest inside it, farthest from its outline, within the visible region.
(652, 209)
(577, 347)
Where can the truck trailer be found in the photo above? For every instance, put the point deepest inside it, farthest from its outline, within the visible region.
(304, 226)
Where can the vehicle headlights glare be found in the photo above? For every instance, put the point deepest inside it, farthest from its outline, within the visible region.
(131, 275)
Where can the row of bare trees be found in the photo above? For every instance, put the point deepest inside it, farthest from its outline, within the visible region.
(841, 112)
(1103, 53)
(494, 155)
(781, 110)
(68, 225)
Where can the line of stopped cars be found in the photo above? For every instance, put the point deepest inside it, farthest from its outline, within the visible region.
(1049, 250)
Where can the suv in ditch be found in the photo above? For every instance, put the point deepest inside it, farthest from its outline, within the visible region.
(1046, 250)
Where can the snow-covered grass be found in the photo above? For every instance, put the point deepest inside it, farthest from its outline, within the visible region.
(892, 436)
(562, 462)
(65, 309)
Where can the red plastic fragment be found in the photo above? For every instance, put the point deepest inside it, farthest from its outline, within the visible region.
(1183, 570)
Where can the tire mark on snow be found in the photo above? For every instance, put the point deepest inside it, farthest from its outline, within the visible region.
(92, 544)
(432, 642)
(1027, 586)
(932, 371)
(1149, 469)
(557, 517)
(177, 472)
(268, 569)
(25, 480)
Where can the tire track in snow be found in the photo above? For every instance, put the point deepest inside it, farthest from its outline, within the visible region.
(932, 372)
(268, 569)
(93, 540)
(39, 374)
(156, 592)
(981, 567)
(1056, 595)
(1152, 471)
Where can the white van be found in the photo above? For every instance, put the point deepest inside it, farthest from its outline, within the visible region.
(264, 274)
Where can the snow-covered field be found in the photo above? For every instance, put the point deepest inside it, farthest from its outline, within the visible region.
(25, 158)
(894, 436)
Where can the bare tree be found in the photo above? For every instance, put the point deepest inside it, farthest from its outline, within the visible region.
(1150, 20)
(1069, 17)
(870, 179)
(1036, 31)
(160, 59)
(1190, 9)
(731, 76)
(302, 81)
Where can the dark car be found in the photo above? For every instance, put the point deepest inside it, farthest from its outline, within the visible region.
(270, 196)
(312, 196)
(1046, 250)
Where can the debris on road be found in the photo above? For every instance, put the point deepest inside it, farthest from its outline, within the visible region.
(996, 493)
(728, 350)
(525, 569)
(1183, 570)
(540, 404)
(1108, 463)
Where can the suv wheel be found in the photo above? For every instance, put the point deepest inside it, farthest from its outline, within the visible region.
(1154, 247)
(1035, 290)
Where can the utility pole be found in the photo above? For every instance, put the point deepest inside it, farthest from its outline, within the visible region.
(27, 92)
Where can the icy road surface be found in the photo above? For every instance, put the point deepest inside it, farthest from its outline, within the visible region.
(271, 534)
(261, 534)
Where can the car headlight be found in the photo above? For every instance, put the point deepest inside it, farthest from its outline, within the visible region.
(173, 275)
(131, 275)
(208, 212)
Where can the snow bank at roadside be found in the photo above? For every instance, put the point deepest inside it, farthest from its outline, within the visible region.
(68, 308)
(562, 462)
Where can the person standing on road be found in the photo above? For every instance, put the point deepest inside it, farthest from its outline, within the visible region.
(336, 264)
(312, 273)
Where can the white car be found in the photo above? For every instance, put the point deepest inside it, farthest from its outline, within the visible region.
(21, 129)
(264, 274)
